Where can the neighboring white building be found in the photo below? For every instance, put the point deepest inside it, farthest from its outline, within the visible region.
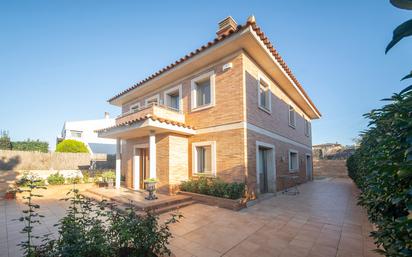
(84, 131)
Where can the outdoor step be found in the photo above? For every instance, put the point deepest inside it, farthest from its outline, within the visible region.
(168, 203)
(173, 207)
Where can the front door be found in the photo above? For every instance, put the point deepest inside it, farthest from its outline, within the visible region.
(140, 167)
(144, 167)
(308, 168)
(263, 169)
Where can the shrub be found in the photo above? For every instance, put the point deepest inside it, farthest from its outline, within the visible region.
(27, 179)
(382, 168)
(71, 146)
(55, 179)
(108, 175)
(30, 145)
(214, 186)
(75, 180)
(82, 232)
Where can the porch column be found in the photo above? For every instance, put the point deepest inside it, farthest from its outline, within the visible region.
(152, 154)
(118, 163)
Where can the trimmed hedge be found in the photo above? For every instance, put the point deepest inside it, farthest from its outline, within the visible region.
(215, 187)
(382, 168)
(71, 146)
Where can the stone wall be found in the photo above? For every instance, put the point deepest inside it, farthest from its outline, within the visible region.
(330, 168)
(25, 160)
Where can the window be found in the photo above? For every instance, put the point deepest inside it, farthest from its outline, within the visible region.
(293, 161)
(307, 128)
(152, 100)
(203, 91)
(204, 159)
(173, 96)
(292, 118)
(134, 107)
(75, 133)
(264, 95)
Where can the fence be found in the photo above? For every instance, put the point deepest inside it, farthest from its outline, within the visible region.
(330, 168)
(24, 160)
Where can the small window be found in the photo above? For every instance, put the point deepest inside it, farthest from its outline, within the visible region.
(154, 100)
(264, 95)
(293, 161)
(307, 128)
(292, 118)
(75, 133)
(203, 91)
(134, 107)
(204, 158)
(172, 97)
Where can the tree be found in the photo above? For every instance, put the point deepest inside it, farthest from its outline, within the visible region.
(5, 143)
(71, 146)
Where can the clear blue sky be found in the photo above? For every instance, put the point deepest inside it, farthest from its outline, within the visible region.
(61, 60)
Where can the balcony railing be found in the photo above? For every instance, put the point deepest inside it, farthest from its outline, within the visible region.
(154, 109)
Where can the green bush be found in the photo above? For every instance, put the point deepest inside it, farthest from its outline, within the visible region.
(55, 179)
(75, 180)
(28, 179)
(30, 145)
(82, 232)
(214, 187)
(382, 168)
(71, 146)
(108, 175)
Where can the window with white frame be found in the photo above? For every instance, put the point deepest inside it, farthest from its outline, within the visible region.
(203, 91)
(292, 116)
(152, 100)
(204, 158)
(307, 128)
(264, 95)
(172, 97)
(76, 133)
(293, 161)
(134, 107)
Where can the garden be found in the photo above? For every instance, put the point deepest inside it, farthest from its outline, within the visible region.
(93, 229)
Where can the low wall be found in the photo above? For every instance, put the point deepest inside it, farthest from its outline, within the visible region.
(25, 160)
(330, 168)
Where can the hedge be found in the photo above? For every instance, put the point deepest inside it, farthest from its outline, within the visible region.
(382, 168)
(71, 146)
(30, 145)
(215, 187)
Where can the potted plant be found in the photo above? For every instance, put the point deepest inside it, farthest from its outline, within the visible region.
(10, 194)
(150, 184)
(108, 178)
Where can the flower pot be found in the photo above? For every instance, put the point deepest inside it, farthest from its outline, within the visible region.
(151, 188)
(110, 183)
(10, 195)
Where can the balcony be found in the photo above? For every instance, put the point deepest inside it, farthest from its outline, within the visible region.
(155, 110)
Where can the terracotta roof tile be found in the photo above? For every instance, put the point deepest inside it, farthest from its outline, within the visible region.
(262, 37)
(130, 122)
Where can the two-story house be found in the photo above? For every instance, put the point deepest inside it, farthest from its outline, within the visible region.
(231, 109)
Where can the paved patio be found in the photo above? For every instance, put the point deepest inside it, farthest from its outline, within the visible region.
(322, 221)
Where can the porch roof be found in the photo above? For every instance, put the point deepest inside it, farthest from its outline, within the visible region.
(142, 126)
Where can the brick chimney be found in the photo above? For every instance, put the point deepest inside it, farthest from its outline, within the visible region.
(226, 26)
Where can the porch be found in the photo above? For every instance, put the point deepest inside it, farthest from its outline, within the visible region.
(149, 146)
(125, 198)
